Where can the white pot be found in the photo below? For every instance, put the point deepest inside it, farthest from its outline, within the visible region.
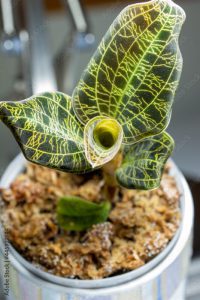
(163, 278)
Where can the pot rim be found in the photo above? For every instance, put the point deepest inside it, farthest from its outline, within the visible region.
(129, 281)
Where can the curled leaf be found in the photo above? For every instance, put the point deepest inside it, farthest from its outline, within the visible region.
(75, 213)
(47, 131)
(102, 139)
(143, 162)
(135, 71)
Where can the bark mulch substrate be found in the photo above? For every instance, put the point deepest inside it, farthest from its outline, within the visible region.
(140, 224)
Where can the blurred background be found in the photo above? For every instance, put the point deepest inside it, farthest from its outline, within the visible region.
(46, 45)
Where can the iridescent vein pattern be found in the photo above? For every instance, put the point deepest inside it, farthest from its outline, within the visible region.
(131, 80)
(47, 131)
(144, 162)
(135, 71)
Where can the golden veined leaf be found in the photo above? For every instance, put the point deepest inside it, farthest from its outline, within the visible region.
(47, 131)
(143, 162)
(134, 74)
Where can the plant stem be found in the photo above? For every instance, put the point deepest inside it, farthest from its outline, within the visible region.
(111, 184)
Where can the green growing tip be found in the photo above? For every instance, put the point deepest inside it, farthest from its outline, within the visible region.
(106, 133)
(102, 138)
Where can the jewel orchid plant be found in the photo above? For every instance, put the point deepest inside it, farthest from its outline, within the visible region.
(122, 103)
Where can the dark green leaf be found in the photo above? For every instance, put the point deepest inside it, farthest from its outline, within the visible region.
(76, 206)
(144, 162)
(74, 213)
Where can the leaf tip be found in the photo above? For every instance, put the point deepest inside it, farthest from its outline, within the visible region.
(2, 109)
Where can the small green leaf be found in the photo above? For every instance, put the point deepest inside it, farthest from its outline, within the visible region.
(76, 206)
(75, 213)
(47, 131)
(144, 162)
(134, 74)
(102, 140)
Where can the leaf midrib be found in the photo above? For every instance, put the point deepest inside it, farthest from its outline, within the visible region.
(126, 54)
(105, 52)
